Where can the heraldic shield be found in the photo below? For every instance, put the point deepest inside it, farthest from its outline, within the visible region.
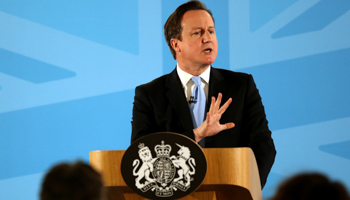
(164, 166)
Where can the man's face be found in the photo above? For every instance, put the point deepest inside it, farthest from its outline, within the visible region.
(199, 45)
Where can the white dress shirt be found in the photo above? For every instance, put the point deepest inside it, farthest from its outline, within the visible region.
(188, 84)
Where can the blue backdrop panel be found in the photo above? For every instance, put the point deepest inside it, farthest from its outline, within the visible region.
(340, 149)
(37, 137)
(29, 69)
(68, 70)
(316, 18)
(106, 22)
(305, 90)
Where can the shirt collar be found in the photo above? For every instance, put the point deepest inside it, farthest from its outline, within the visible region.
(185, 77)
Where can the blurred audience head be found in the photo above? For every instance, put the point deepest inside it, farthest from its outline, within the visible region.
(308, 186)
(76, 181)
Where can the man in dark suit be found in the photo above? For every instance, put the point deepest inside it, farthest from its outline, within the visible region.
(163, 104)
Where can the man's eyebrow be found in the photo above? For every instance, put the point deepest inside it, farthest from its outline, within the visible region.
(194, 28)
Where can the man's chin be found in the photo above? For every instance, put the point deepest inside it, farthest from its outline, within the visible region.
(210, 61)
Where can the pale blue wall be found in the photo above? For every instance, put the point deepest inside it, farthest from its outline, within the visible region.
(68, 70)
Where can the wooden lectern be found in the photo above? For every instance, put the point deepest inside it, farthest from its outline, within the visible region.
(232, 173)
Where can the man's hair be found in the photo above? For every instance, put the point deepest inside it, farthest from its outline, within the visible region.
(307, 186)
(77, 181)
(173, 28)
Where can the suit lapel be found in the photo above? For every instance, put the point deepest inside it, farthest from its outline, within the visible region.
(216, 85)
(178, 100)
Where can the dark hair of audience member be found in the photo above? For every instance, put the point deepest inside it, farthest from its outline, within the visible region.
(77, 181)
(308, 186)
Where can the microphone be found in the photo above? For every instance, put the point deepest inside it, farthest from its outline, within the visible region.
(192, 100)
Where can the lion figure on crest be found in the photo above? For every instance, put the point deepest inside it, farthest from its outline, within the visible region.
(146, 167)
(180, 162)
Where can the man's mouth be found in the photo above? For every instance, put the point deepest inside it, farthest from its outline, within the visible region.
(207, 50)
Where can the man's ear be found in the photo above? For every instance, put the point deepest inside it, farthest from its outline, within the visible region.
(175, 44)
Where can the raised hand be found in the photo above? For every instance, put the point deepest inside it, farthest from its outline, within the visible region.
(211, 125)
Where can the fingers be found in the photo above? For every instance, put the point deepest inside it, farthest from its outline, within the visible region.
(215, 105)
(218, 102)
(208, 118)
(229, 125)
(225, 106)
(211, 109)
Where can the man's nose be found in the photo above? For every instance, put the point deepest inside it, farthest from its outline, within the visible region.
(207, 37)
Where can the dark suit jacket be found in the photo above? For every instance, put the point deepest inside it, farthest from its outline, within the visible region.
(161, 106)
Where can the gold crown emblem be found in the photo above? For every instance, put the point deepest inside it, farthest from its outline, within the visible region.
(162, 150)
(141, 145)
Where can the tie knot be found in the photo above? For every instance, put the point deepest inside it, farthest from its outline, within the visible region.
(196, 80)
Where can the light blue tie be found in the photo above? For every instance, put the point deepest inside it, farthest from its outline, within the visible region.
(197, 106)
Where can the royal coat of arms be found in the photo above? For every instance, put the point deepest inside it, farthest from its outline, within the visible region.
(166, 173)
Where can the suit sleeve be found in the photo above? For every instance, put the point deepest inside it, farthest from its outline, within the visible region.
(257, 126)
(142, 122)
(146, 119)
